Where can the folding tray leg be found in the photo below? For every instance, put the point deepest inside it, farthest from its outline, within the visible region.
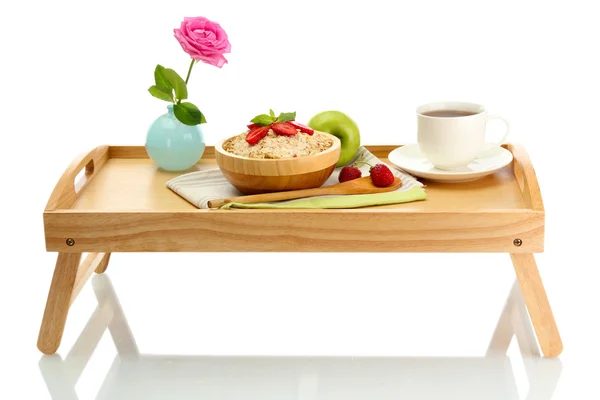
(537, 304)
(69, 278)
(103, 264)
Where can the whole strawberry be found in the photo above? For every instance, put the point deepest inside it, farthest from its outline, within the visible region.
(349, 173)
(381, 176)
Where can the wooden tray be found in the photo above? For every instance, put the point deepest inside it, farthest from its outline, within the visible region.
(122, 205)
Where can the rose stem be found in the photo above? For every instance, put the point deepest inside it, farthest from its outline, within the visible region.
(187, 78)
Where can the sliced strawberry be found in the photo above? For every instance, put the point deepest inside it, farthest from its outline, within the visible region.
(303, 128)
(252, 126)
(284, 128)
(256, 134)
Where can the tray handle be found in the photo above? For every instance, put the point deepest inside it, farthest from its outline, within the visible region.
(76, 178)
(526, 178)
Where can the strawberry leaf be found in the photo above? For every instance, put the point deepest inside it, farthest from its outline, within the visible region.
(284, 117)
(263, 120)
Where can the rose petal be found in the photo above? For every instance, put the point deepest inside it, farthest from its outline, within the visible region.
(227, 48)
(197, 24)
(217, 61)
(203, 47)
(185, 45)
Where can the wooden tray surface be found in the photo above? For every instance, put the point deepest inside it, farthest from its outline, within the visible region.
(121, 183)
(137, 184)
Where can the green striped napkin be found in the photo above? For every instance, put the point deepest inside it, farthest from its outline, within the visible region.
(350, 201)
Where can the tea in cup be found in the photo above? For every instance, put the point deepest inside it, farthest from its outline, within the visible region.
(452, 134)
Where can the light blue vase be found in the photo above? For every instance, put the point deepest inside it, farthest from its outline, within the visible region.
(172, 145)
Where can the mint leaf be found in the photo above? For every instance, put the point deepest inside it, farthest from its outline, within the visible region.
(161, 93)
(176, 83)
(160, 78)
(202, 119)
(272, 113)
(284, 117)
(263, 120)
(187, 113)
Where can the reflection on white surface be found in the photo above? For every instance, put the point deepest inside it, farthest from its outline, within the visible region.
(139, 376)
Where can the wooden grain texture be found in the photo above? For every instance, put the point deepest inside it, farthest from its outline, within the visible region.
(255, 184)
(537, 304)
(66, 190)
(369, 230)
(127, 207)
(362, 185)
(139, 152)
(526, 177)
(103, 264)
(69, 278)
(136, 184)
(59, 300)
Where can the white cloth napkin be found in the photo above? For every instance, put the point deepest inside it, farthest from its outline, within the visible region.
(202, 186)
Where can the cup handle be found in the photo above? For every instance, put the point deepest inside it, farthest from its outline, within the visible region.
(499, 142)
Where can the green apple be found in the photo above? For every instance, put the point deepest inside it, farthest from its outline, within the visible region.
(340, 125)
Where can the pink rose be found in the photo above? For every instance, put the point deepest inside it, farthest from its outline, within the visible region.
(203, 40)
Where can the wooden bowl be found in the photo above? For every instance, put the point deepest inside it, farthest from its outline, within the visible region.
(258, 175)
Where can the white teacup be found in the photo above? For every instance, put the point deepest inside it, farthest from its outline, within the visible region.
(452, 134)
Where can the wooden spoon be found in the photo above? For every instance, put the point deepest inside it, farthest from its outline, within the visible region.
(355, 186)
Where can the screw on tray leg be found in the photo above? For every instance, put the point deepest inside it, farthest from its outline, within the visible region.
(517, 242)
(70, 242)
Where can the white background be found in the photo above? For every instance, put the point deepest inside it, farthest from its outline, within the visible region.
(75, 75)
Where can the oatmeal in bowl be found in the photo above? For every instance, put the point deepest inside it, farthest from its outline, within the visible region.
(277, 154)
(276, 146)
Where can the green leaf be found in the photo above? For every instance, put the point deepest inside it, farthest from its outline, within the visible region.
(202, 119)
(176, 83)
(187, 113)
(272, 113)
(284, 117)
(161, 93)
(263, 120)
(160, 78)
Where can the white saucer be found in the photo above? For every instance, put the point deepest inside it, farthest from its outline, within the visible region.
(410, 159)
